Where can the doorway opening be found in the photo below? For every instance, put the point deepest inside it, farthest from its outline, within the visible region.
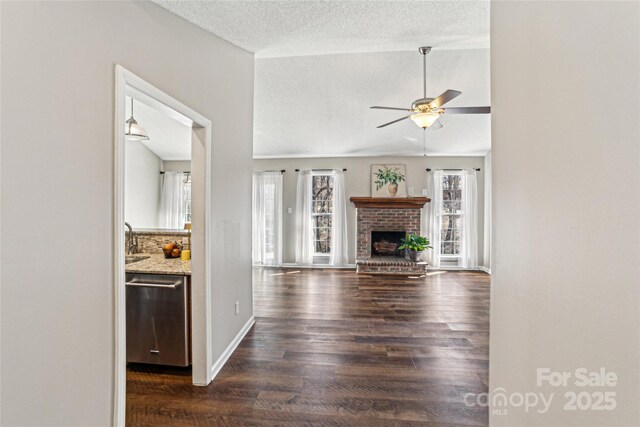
(189, 217)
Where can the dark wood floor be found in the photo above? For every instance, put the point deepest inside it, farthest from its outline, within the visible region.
(330, 347)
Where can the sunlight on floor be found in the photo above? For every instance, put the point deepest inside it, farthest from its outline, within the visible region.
(434, 273)
(283, 273)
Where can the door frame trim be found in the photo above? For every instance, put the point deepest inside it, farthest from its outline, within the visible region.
(127, 83)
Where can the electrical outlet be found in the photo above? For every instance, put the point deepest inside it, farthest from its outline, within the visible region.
(289, 210)
(237, 307)
(424, 191)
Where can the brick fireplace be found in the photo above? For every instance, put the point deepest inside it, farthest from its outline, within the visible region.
(378, 224)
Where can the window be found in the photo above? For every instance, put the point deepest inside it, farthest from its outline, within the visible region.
(187, 200)
(270, 223)
(174, 210)
(267, 218)
(451, 216)
(322, 213)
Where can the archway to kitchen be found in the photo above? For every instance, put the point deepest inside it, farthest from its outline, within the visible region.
(129, 86)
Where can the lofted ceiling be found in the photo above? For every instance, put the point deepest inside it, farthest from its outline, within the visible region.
(294, 28)
(318, 106)
(321, 64)
(168, 138)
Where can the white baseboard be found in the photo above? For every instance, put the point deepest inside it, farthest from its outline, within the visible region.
(452, 268)
(346, 266)
(353, 267)
(217, 366)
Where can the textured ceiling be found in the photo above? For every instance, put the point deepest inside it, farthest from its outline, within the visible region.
(168, 138)
(321, 64)
(294, 28)
(318, 106)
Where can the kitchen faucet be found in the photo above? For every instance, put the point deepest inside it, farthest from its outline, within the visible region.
(132, 240)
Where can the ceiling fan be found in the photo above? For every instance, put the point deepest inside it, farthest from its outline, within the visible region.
(425, 112)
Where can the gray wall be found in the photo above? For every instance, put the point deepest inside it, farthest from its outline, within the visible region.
(58, 62)
(566, 203)
(176, 165)
(358, 183)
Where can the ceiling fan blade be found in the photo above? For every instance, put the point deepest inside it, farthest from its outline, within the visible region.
(395, 121)
(436, 125)
(445, 97)
(467, 110)
(390, 108)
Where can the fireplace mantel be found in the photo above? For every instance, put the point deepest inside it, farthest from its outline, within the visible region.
(390, 202)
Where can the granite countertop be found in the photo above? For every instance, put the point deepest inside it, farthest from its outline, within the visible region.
(158, 264)
(160, 232)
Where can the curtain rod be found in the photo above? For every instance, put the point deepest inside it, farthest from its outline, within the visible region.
(271, 170)
(163, 172)
(475, 169)
(323, 170)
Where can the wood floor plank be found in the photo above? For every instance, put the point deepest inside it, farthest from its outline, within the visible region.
(333, 348)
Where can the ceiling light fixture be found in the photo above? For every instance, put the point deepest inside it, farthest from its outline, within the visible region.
(424, 120)
(133, 131)
(426, 111)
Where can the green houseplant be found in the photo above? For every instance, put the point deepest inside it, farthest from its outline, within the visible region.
(390, 177)
(415, 245)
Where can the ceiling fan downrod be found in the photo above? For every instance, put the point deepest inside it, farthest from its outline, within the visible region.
(423, 51)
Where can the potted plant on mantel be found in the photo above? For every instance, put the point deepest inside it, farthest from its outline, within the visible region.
(390, 177)
(415, 245)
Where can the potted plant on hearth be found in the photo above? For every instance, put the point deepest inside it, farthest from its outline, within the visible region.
(415, 245)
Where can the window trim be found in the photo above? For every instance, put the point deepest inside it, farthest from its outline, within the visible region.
(269, 230)
(313, 215)
(187, 202)
(441, 214)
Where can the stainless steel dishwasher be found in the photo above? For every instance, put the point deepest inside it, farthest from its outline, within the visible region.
(158, 319)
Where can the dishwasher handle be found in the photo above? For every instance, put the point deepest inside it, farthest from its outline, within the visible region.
(155, 285)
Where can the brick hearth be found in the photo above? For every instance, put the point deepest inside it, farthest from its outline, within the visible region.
(390, 265)
(382, 214)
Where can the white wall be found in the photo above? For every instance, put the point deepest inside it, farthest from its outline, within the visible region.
(358, 183)
(141, 185)
(566, 202)
(58, 64)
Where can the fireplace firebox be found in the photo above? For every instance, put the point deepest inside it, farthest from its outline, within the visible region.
(386, 243)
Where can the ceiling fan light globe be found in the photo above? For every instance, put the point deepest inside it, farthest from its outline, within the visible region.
(424, 120)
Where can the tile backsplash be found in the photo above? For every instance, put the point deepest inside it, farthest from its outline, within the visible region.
(151, 241)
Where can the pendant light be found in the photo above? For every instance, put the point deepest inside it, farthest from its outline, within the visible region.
(133, 131)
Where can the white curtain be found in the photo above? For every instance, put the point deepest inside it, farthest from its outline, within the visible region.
(267, 218)
(469, 245)
(339, 254)
(172, 200)
(304, 225)
(431, 216)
